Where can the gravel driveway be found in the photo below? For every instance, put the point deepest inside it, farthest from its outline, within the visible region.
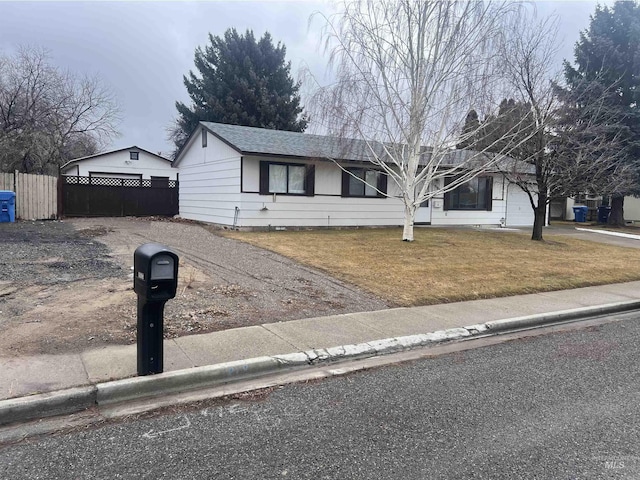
(277, 288)
(66, 286)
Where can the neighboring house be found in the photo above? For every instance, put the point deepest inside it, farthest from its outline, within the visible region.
(249, 177)
(563, 210)
(126, 163)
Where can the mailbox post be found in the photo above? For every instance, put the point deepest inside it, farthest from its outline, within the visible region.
(155, 280)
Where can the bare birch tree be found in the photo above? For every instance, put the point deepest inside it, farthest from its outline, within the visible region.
(407, 71)
(48, 116)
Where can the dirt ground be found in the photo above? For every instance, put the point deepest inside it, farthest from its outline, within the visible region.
(66, 286)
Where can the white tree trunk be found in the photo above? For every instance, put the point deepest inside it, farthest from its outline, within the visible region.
(409, 219)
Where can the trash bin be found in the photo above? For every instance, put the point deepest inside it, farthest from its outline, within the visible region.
(580, 213)
(7, 206)
(603, 213)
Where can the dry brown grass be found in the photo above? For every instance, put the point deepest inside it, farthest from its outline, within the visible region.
(447, 265)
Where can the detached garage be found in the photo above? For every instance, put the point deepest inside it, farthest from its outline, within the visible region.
(127, 182)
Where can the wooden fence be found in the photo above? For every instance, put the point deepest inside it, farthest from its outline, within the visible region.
(36, 195)
(117, 197)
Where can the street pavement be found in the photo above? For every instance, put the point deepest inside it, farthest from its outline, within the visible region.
(555, 406)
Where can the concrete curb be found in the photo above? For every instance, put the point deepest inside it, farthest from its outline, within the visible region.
(74, 400)
(541, 319)
(180, 380)
(49, 404)
(207, 376)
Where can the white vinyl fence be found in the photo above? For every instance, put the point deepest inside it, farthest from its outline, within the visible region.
(36, 195)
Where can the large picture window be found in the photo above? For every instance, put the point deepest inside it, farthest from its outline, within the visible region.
(472, 195)
(362, 182)
(286, 178)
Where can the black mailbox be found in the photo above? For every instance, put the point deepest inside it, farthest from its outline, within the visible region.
(155, 274)
(155, 280)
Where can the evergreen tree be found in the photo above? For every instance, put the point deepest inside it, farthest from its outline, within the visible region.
(608, 53)
(240, 81)
(470, 130)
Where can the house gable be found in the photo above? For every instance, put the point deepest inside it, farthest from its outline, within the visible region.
(205, 146)
(123, 163)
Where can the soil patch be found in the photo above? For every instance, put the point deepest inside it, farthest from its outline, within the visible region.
(67, 285)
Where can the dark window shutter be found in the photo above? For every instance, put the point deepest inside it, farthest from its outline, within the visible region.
(489, 193)
(264, 178)
(345, 183)
(382, 184)
(310, 180)
(447, 196)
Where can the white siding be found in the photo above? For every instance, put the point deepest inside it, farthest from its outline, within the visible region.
(318, 211)
(115, 163)
(195, 154)
(250, 174)
(209, 181)
(632, 209)
(329, 179)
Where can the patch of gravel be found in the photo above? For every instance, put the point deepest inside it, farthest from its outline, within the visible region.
(254, 285)
(52, 252)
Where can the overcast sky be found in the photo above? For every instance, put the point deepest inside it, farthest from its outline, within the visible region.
(142, 49)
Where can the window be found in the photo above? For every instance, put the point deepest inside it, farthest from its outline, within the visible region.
(472, 195)
(362, 182)
(133, 155)
(204, 138)
(287, 178)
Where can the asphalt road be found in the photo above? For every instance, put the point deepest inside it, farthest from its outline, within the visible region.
(558, 406)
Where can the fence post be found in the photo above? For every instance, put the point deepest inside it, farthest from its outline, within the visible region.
(60, 185)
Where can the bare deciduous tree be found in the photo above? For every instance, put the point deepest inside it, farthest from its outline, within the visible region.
(48, 116)
(569, 139)
(407, 71)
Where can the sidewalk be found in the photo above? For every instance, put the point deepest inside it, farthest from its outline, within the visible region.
(24, 376)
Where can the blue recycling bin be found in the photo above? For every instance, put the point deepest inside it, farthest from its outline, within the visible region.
(7, 206)
(580, 213)
(603, 213)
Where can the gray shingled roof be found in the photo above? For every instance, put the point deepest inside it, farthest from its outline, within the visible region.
(262, 141)
(252, 140)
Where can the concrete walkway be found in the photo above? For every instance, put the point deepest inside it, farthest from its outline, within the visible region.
(46, 373)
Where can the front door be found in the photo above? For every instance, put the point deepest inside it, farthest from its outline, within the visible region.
(423, 214)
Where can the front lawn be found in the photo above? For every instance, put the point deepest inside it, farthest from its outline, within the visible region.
(448, 265)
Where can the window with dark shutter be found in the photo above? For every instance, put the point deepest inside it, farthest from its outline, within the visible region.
(286, 178)
(363, 182)
(476, 194)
